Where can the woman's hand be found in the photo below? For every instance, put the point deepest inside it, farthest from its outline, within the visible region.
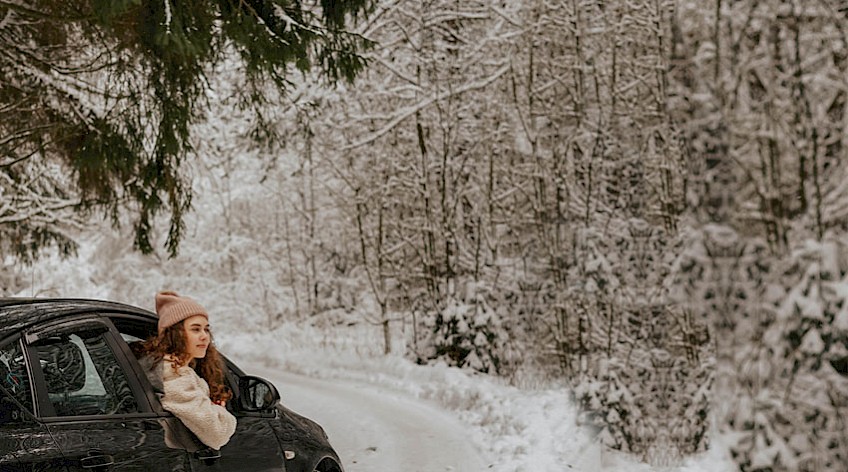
(223, 403)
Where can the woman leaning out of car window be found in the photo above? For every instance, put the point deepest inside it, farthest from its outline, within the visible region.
(183, 362)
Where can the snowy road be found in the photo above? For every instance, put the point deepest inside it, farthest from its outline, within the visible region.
(376, 431)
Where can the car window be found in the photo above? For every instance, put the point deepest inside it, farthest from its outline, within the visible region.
(83, 376)
(134, 332)
(13, 374)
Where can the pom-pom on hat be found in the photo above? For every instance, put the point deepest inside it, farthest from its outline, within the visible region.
(173, 308)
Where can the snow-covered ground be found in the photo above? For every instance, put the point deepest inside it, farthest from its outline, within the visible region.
(374, 430)
(381, 411)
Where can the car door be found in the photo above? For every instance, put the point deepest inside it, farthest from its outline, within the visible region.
(254, 441)
(253, 447)
(25, 443)
(92, 403)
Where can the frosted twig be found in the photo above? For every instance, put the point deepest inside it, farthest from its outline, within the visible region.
(167, 23)
(409, 111)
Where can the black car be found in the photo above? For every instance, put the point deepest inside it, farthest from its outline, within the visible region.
(73, 397)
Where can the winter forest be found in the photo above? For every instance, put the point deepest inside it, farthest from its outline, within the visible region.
(644, 200)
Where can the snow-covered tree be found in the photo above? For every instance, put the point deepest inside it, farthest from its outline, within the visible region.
(765, 127)
(107, 90)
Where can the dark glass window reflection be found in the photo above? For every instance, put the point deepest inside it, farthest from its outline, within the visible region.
(14, 380)
(83, 376)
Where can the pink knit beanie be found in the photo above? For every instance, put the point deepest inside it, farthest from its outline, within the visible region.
(173, 308)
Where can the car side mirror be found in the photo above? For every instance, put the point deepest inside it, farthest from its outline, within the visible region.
(256, 394)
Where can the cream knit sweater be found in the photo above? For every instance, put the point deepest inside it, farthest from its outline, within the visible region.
(187, 397)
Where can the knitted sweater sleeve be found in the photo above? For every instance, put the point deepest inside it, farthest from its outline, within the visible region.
(187, 397)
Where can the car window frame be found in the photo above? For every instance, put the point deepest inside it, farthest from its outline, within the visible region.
(44, 410)
(25, 409)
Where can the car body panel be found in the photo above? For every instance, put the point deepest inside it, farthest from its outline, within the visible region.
(28, 446)
(133, 445)
(299, 433)
(253, 443)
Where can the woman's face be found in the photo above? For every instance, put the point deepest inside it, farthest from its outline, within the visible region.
(197, 336)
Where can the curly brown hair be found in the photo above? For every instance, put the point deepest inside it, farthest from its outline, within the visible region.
(172, 342)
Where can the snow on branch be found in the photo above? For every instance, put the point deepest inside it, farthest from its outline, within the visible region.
(21, 203)
(168, 17)
(394, 70)
(409, 111)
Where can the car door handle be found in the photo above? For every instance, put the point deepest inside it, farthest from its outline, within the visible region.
(208, 455)
(99, 461)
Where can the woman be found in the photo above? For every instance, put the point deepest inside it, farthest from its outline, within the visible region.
(184, 366)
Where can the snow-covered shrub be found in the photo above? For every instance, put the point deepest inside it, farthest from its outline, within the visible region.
(468, 336)
(606, 402)
(651, 403)
(642, 357)
(468, 332)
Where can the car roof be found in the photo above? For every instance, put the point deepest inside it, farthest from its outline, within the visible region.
(17, 314)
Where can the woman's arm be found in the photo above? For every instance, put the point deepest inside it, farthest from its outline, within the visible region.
(187, 397)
